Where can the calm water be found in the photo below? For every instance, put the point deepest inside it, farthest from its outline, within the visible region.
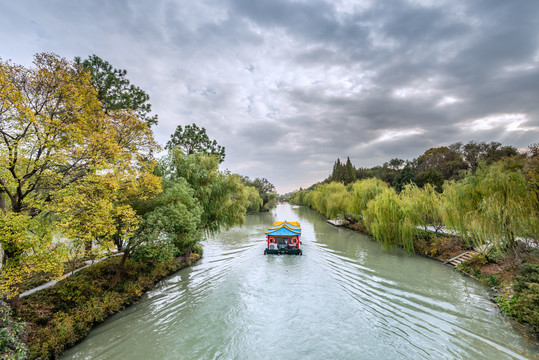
(343, 299)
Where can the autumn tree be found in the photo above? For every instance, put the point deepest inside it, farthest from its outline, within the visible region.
(114, 90)
(52, 136)
(193, 139)
(63, 160)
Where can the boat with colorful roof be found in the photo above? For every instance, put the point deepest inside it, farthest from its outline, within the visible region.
(283, 238)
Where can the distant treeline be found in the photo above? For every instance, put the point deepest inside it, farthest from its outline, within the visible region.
(433, 167)
(489, 193)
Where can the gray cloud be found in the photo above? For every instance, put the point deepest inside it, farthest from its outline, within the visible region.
(289, 86)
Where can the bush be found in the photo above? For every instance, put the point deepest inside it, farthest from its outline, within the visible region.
(62, 315)
(12, 335)
(527, 295)
(197, 249)
(158, 252)
(506, 301)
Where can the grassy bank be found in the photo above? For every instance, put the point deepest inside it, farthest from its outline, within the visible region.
(59, 317)
(513, 275)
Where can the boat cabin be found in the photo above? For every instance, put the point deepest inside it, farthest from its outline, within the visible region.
(283, 238)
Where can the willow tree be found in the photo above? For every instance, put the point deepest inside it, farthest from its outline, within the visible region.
(425, 205)
(254, 199)
(364, 191)
(388, 218)
(221, 194)
(491, 206)
(337, 200)
(308, 198)
(319, 196)
(330, 199)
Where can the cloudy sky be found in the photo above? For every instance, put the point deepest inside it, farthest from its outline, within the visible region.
(289, 86)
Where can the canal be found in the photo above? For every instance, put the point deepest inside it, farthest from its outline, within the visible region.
(344, 298)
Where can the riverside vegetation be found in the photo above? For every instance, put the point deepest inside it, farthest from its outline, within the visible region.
(78, 180)
(486, 194)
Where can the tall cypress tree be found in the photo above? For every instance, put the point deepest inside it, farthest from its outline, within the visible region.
(350, 172)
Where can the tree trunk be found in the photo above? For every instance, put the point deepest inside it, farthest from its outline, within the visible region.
(14, 301)
(120, 269)
(88, 250)
(3, 203)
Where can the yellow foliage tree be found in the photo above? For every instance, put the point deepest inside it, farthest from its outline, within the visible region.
(63, 161)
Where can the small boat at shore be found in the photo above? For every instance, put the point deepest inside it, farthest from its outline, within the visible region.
(283, 238)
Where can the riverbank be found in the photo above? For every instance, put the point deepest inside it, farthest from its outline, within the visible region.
(62, 315)
(512, 275)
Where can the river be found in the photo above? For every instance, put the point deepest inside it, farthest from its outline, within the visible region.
(344, 298)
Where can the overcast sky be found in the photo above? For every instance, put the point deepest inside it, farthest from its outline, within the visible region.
(289, 86)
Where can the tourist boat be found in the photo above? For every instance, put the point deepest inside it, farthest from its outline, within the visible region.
(283, 238)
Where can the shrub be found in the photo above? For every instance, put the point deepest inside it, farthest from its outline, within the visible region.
(197, 249)
(12, 335)
(506, 301)
(64, 314)
(527, 295)
(157, 251)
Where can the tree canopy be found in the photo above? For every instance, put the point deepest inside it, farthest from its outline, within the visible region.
(64, 162)
(114, 90)
(193, 139)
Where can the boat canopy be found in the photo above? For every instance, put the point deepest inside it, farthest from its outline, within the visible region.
(284, 228)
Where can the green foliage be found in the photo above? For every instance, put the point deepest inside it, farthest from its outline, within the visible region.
(526, 290)
(388, 218)
(173, 216)
(446, 160)
(430, 176)
(193, 140)
(221, 196)
(334, 199)
(506, 302)
(114, 90)
(425, 205)
(343, 172)
(62, 315)
(197, 249)
(255, 201)
(28, 247)
(474, 152)
(266, 192)
(404, 177)
(364, 191)
(158, 251)
(12, 335)
(490, 206)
